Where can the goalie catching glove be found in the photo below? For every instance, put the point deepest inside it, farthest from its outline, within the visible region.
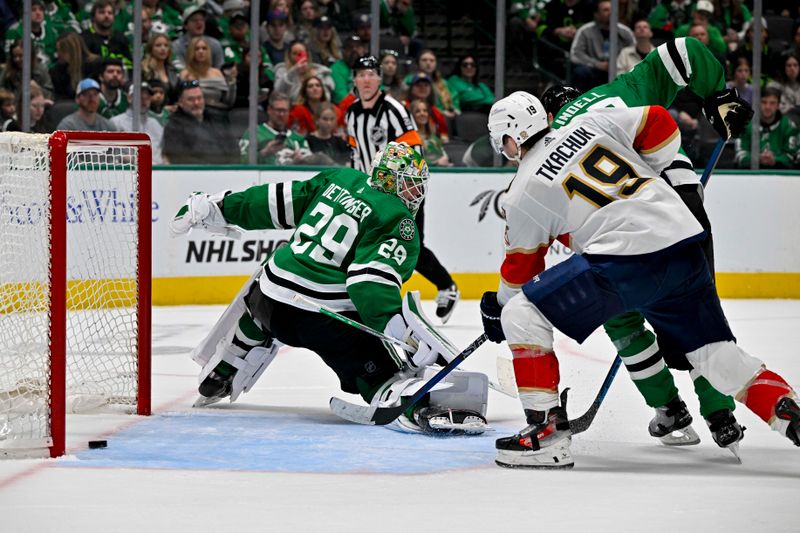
(203, 210)
(728, 113)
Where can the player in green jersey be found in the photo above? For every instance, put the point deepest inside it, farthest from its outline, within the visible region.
(684, 63)
(354, 245)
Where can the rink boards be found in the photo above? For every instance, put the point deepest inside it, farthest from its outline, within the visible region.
(754, 217)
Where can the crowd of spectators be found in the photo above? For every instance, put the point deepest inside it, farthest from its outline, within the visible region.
(196, 69)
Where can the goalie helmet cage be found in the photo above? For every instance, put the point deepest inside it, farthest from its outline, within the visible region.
(75, 281)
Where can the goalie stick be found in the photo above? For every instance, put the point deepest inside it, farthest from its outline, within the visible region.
(380, 416)
(503, 387)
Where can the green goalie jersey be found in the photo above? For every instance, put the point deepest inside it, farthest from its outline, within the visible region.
(352, 249)
(678, 64)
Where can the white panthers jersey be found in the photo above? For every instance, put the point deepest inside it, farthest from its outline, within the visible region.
(597, 181)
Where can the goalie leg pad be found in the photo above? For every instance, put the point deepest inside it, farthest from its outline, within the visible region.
(468, 390)
(224, 329)
(250, 368)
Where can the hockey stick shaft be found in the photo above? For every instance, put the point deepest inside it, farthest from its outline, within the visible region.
(350, 322)
(386, 415)
(712, 161)
(582, 423)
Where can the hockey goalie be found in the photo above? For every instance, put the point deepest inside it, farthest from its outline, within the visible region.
(354, 245)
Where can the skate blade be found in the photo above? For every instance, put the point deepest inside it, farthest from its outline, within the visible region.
(734, 449)
(202, 401)
(681, 437)
(536, 467)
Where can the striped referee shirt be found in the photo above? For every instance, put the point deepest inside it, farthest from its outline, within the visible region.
(369, 130)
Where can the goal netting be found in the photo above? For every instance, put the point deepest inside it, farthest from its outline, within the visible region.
(74, 281)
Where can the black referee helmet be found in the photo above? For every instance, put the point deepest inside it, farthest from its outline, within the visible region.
(367, 63)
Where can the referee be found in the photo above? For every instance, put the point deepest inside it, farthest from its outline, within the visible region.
(374, 120)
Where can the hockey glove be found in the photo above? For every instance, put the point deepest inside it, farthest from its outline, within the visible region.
(728, 113)
(490, 314)
(202, 210)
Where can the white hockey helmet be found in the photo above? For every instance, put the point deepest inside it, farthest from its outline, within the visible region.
(519, 115)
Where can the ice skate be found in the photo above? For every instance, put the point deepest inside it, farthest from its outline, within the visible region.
(440, 421)
(672, 424)
(215, 387)
(787, 411)
(446, 301)
(543, 444)
(726, 431)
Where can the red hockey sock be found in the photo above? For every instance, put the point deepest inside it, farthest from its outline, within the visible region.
(764, 392)
(535, 368)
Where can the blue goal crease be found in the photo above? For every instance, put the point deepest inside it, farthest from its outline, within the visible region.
(281, 443)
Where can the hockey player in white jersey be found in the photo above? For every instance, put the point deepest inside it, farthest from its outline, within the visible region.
(596, 182)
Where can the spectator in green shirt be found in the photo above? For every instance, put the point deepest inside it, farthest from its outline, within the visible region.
(471, 94)
(703, 14)
(277, 144)
(778, 139)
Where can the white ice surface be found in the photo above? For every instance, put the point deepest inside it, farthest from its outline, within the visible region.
(157, 475)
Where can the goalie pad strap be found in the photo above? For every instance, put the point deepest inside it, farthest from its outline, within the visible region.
(250, 368)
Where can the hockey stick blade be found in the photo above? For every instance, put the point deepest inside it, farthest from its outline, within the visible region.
(582, 423)
(381, 416)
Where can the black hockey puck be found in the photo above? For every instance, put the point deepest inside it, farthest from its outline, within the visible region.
(96, 444)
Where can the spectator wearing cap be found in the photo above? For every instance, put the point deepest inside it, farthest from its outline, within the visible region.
(392, 81)
(362, 26)
(86, 118)
(338, 12)
(467, 90)
(277, 42)
(194, 25)
(276, 143)
(589, 51)
(421, 88)
(324, 44)
(44, 34)
(427, 63)
(112, 99)
(703, 14)
(397, 16)
(195, 134)
(147, 122)
(229, 9)
(237, 37)
(219, 88)
(100, 37)
(342, 71)
(290, 75)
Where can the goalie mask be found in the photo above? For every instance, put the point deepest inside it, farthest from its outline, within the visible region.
(520, 116)
(398, 169)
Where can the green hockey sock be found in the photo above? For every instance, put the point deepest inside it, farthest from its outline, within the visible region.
(711, 400)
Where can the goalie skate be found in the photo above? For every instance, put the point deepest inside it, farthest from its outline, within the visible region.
(214, 388)
(442, 422)
(672, 425)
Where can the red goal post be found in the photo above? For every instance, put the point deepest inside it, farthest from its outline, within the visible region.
(75, 280)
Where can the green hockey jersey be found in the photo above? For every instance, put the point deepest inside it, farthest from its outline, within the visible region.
(675, 65)
(352, 249)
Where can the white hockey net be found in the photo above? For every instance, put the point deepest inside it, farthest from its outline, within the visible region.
(102, 281)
